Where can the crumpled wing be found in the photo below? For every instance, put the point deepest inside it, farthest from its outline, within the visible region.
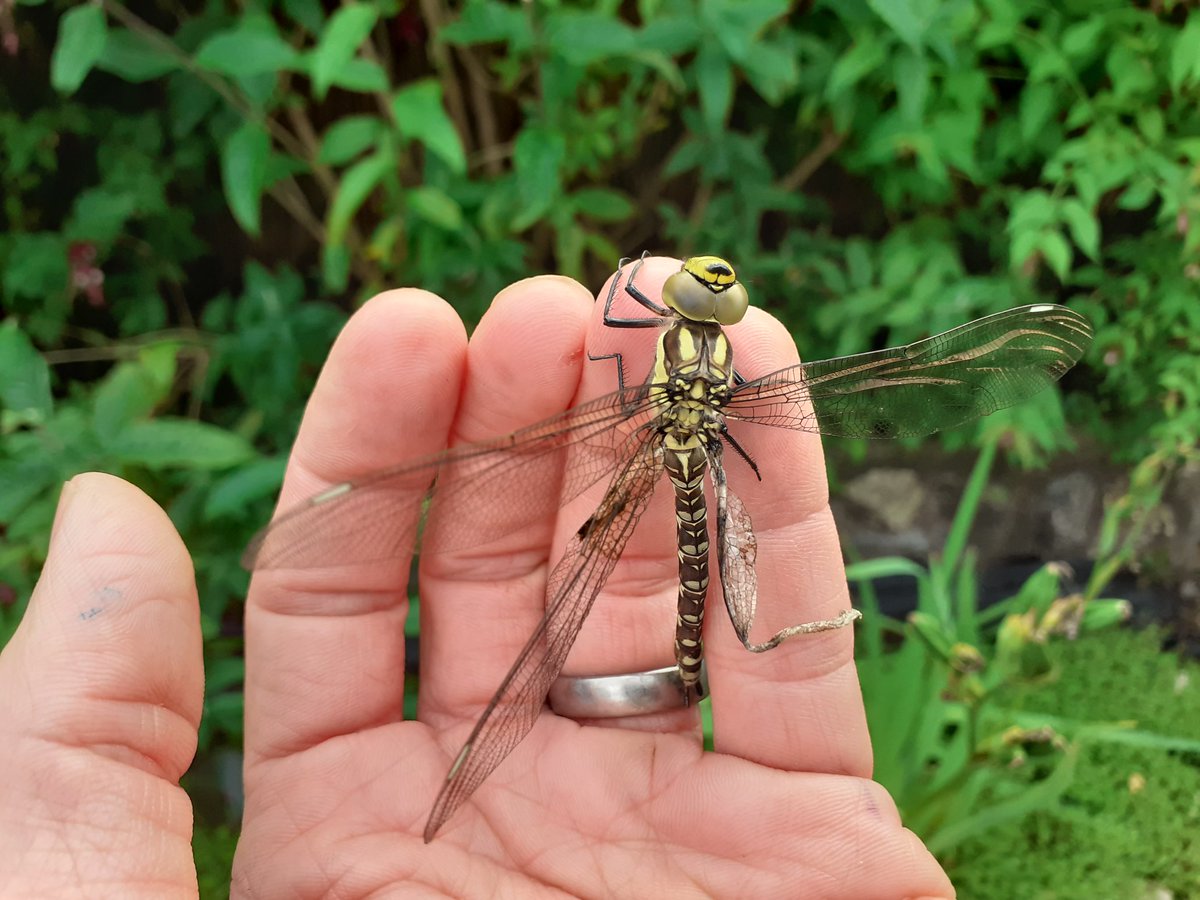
(737, 551)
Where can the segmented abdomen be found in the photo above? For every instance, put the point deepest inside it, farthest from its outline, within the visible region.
(686, 467)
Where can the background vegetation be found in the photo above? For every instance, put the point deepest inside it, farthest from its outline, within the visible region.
(878, 170)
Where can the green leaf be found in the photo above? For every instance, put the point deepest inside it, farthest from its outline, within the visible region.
(132, 390)
(420, 116)
(1185, 55)
(1151, 124)
(911, 73)
(81, 37)
(1081, 41)
(737, 24)
(884, 567)
(538, 158)
(582, 38)
(24, 376)
(36, 266)
(135, 58)
(165, 443)
(672, 35)
(335, 267)
(772, 71)
(864, 56)
(1036, 108)
(602, 204)
(1131, 73)
(100, 214)
(233, 493)
(363, 76)
(343, 35)
(1057, 253)
(243, 173)
(22, 479)
(1085, 229)
(246, 51)
(1032, 210)
(306, 12)
(485, 21)
(714, 83)
(902, 17)
(348, 137)
(356, 185)
(435, 206)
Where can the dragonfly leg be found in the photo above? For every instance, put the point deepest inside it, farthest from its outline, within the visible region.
(741, 451)
(630, 288)
(636, 293)
(620, 366)
(612, 321)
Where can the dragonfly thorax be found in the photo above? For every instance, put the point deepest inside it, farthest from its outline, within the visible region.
(692, 376)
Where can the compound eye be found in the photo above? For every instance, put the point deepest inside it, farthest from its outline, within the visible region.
(731, 305)
(689, 298)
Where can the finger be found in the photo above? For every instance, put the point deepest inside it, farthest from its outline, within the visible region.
(632, 626)
(101, 689)
(480, 606)
(325, 647)
(797, 706)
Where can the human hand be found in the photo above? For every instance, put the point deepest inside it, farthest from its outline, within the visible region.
(338, 787)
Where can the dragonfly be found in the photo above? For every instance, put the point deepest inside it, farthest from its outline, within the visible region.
(678, 422)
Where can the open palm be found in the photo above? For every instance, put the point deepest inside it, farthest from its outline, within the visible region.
(338, 786)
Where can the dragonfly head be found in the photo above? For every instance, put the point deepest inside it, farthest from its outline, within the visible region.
(706, 289)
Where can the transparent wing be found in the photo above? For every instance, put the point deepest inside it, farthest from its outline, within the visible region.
(376, 517)
(574, 584)
(942, 381)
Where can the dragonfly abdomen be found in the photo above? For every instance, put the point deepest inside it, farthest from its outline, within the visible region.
(686, 463)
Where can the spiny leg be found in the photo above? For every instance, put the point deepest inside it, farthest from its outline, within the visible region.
(612, 321)
(741, 451)
(635, 292)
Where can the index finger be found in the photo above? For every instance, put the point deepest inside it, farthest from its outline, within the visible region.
(325, 643)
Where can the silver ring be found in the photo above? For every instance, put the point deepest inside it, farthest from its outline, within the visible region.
(611, 696)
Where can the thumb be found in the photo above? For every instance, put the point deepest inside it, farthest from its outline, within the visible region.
(101, 689)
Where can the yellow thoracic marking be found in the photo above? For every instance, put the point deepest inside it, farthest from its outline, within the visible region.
(660, 368)
(720, 352)
(712, 270)
(687, 344)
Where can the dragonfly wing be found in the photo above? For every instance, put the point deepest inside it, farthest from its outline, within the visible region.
(737, 552)
(737, 549)
(574, 584)
(377, 517)
(942, 381)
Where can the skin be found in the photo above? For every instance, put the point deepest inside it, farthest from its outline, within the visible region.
(101, 687)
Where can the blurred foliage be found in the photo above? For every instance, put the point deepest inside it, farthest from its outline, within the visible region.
(945, 745)
(878, 170)
(1126, 826)
(213, 848)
